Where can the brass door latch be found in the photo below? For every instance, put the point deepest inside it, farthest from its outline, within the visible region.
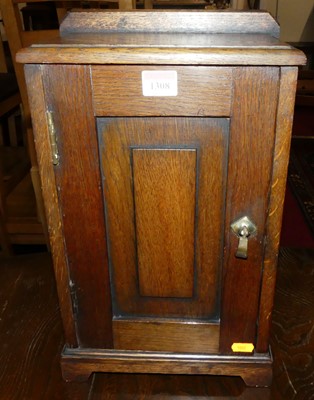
(243, 228)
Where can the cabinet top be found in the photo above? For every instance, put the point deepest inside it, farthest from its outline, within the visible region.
(165, 37)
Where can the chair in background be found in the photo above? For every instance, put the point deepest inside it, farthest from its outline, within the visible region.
(14, 32)
(14, 163)
(18, 38)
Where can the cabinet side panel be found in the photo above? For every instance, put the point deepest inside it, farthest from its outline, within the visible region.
(249, 174)
(33, 75)
(78, 179)
(281, 158)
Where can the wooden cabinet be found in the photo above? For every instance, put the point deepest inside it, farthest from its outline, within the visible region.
(151, 145)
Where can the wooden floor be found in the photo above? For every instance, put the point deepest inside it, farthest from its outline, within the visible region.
(31, 341)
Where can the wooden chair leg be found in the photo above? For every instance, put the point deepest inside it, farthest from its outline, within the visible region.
(12, 130)
(1, 134)
(6, 246)
(127, 4)
(148, 4)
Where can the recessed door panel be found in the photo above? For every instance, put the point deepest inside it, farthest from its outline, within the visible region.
(164, 182)
(164, 193)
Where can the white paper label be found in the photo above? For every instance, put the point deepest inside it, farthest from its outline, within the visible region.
(160, 83)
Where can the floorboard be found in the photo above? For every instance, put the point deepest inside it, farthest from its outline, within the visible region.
(31, 332)
(31, 341)
(293, 325)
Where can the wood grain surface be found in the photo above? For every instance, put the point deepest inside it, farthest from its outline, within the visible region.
(33, 76)
(292, 329)
(164, 183)
(117, 91)
(195, 46)
(252, 135)
(161, 40)
(254, 370)
(31, 333)
(170, 20)
(167, 56)
(79, 193)
(118, 137)
(31, 340)
(207, 173)
(277, 195)
(167, 336)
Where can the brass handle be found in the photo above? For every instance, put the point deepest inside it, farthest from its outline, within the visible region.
(243, 228)
(243, 243)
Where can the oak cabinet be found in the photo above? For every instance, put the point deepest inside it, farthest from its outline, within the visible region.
(163, 161)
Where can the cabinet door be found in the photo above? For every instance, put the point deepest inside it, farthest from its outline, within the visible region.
(164, 182)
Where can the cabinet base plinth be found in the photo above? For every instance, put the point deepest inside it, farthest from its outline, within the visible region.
(79, 364)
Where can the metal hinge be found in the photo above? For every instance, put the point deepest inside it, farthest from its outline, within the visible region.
(53, 139)
(73, 298)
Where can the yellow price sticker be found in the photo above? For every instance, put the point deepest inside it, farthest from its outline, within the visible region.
(242, 347)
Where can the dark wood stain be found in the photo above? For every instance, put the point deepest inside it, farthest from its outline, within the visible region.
(31, 340)
(151, 335)
(164, 182)
(233, 173)
(249, 178)
(117, 91)
(117, 137)
(33, 75)
(111, 48)
(31, 335)
(79, 190)
(170, 20)
(292, 335)
(273, 224)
